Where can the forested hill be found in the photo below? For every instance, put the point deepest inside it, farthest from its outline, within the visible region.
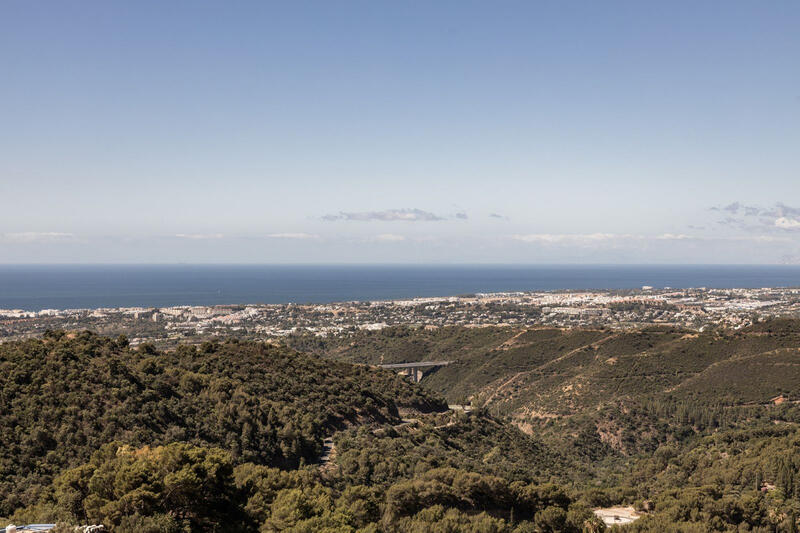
(242, 436)
(598, 392)
(698, 431)
(63, 397)
(548, 372)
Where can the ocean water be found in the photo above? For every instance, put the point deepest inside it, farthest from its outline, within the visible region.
(89, 286)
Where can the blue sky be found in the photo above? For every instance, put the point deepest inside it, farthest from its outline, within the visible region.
(505, 132)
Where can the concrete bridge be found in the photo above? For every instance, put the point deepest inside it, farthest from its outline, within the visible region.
(415, 370)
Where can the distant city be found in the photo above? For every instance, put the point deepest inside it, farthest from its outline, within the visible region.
(696, 309)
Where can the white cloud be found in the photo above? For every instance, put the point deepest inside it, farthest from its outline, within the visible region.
(36, 236)
(569, 238)
(787, 223)
(674, 237)
(199, 236)
(756, 218)
(389, 237)
(389, 215)
(616, 239)
(297, 236)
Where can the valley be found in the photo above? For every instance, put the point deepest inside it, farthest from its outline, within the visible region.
(545, 425)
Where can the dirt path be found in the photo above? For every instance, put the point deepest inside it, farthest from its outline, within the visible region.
(508, 344)
(505, 385)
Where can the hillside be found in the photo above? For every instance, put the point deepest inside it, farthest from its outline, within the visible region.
(66, 395)
(229, 437)
(582, 382)
(245, 436)
(699, 431)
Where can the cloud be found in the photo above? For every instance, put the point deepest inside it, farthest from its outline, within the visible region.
(787, 223)
(776, 211)
(199, 236)
(674, 237)
(738, 208)
(389, 215)
(36, 236)
(497, 215)
(569, 238)
(297, 236)
(462, 216)
(730, 208)
(758, 219)
(389, 237)
(733, 222)
(618, 239)
(785, 210)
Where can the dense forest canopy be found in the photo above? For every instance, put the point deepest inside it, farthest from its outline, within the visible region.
(698, 431)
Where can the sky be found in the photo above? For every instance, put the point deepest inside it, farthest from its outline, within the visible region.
(399, 132)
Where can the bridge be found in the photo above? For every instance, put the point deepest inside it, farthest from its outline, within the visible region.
(415, 370)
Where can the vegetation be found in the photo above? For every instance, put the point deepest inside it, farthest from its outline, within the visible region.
(626, 408)
(700, 432)
(67, 395)
(225, 436)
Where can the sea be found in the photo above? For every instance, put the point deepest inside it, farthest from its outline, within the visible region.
(37, 287)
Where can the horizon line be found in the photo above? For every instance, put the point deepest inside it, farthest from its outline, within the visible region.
(388, 264)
